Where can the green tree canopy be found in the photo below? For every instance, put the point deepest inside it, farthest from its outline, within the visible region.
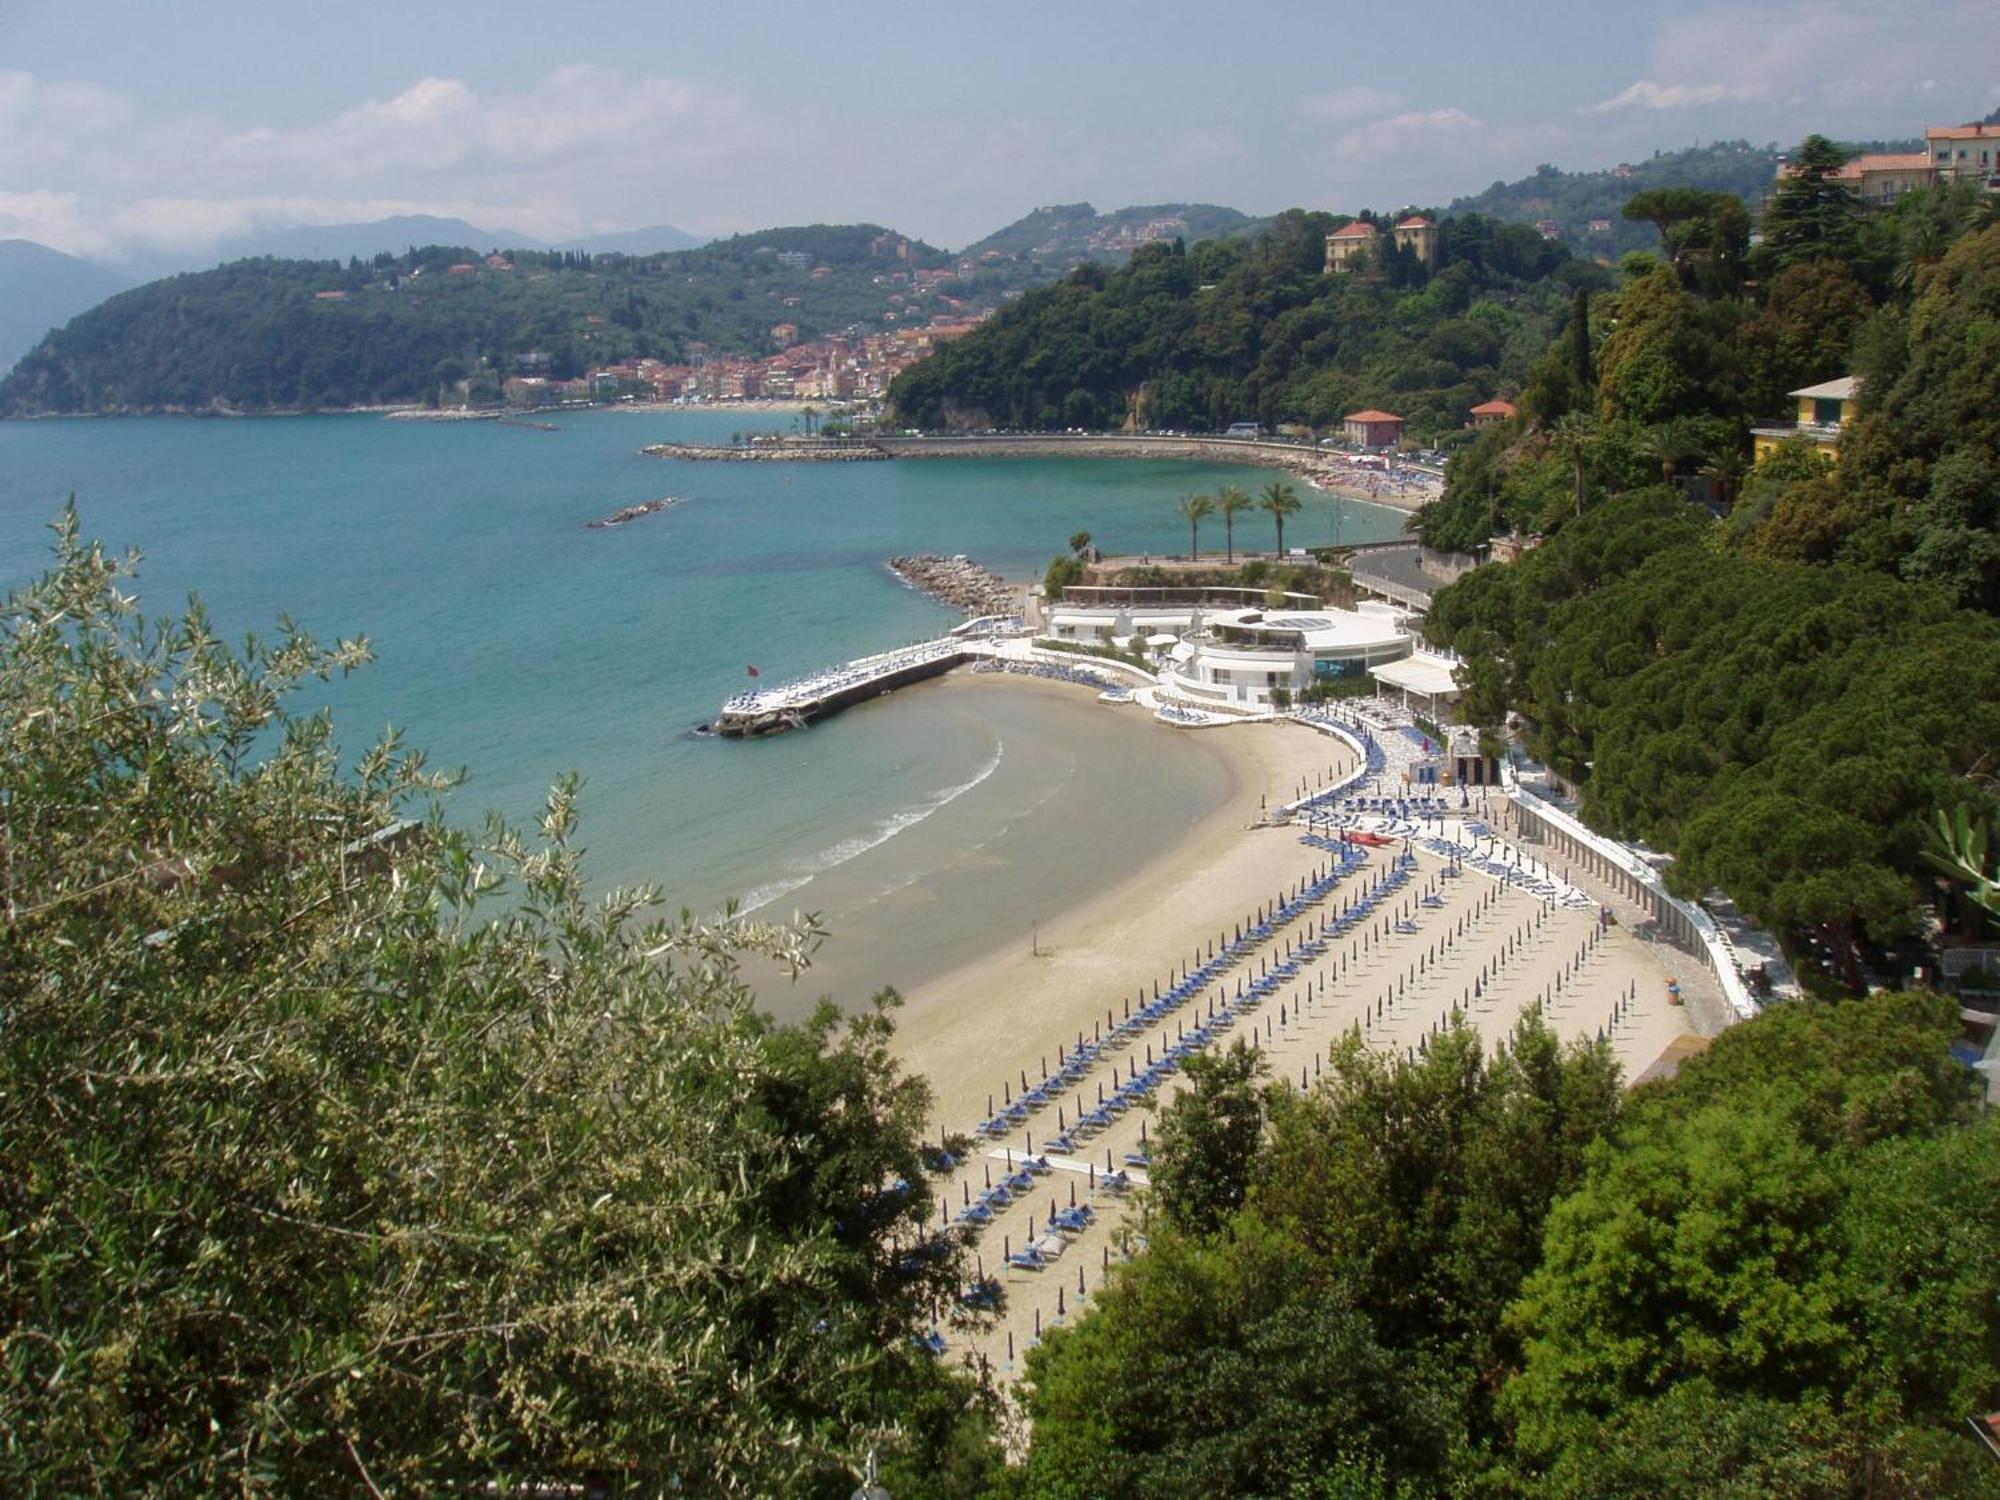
(344, 1152)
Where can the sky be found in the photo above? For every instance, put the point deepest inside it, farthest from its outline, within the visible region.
(135, 127)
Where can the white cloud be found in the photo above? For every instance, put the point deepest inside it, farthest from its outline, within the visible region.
(1802, 61)
(1646, 94)
(1349, 103)
(1386, 139)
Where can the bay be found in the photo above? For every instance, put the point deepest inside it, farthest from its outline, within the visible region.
(518, 644)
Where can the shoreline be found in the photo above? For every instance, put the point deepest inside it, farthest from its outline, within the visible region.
(1325, 473)
(1059, 981)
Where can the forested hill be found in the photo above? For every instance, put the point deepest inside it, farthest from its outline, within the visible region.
(1066, 231)
(297, 335)
(1574, 201)
(1255, 329)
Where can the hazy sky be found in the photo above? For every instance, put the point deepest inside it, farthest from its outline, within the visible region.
(168, 124)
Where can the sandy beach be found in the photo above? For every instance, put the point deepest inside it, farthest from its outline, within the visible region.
(1431, 940)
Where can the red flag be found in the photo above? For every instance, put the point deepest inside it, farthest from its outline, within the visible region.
(755, 673)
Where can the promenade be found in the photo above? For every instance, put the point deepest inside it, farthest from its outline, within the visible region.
(1366, 480)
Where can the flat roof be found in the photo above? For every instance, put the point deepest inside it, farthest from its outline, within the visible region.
(1321, 629)
(1430, 675)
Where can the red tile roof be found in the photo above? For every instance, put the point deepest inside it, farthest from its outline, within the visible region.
(1371, 416)
(1494, 408)
(1898, 161)
(1359, 229)
(1416, 221)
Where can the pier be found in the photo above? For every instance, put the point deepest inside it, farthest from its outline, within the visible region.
(795, 704)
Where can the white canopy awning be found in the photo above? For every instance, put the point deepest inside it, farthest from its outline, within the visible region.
(1431, 676)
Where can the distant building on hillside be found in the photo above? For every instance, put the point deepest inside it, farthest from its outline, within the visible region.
(1418, 233)
(1965, 153)
(1549, 229)
(1824, 410)
(1600, 226)
(1491, 413)
(1878, 179)
(1373, 429)
(1349, 242)
(784, 335)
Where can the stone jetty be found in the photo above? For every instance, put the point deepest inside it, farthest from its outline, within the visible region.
(957, 581)
(785, 451)
(632, 513)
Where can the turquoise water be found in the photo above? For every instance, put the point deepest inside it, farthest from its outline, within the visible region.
(516, 643)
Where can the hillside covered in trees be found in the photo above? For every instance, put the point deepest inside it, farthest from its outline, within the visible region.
(1247, 329)
(1778, 673)
(265, 334)
(1064, 231)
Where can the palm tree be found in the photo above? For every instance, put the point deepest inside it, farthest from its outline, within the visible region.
(1725, 469)
(1281, 500)
(1194, 510)
(1667, 445)
(1231, 502)
(1575, 437)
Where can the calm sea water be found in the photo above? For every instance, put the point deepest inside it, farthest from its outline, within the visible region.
(517, 644)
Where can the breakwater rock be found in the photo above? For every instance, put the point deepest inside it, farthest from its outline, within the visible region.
(632, 513)
(781, 452)
(957, 581)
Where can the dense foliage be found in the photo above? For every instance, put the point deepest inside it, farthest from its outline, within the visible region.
(1784, 729)
(1680, 362)
(257, 334)
(1343, 1319)
(1255, 329)
(340, 1154)
(1774, 1276)
(1781, 1280)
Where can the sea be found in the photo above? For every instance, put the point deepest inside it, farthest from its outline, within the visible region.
(925, 828)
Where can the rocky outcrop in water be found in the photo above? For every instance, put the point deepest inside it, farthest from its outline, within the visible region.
(632, 513)
(957, 581)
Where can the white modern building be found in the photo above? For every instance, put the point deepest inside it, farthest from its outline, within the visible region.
(1235, 659)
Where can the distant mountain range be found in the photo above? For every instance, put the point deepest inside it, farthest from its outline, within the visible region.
(343, 242)
(42, 289)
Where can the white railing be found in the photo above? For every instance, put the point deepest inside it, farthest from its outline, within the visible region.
(1717, 950)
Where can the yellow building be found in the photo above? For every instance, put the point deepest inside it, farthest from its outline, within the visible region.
(1965, 152)
(1823, 411)
(1418, 234)
(1349, 243)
